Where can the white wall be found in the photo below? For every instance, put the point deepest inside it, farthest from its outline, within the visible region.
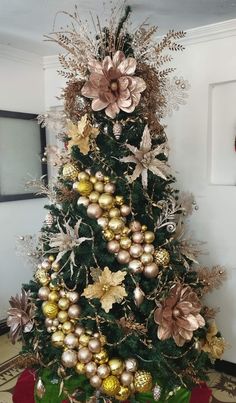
(22, 90)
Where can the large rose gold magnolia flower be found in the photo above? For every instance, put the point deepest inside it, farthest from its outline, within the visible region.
(179, 315)
(112, 85)
(20, 315)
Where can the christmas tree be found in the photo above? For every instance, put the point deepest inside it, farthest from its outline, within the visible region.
(115, 311)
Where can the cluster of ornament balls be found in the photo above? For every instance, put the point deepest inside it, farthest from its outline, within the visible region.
(132, 243)
(84, 350)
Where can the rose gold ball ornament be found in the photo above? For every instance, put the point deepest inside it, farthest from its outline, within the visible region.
(63, 304)
(71, 341)
(109, 187)
(135, 266)
(57, 339)
(74, 311)
(46, 265)
(125, 210)
(103, 371)
(135, 226)
(151, 270)
(94, 211)
(73, 296)
(79, 330)
(149, 236)
(95, 381)
(106, 201)
(148, 248)
(103, 222)
(146, 258)
(123, 257)
(125, 242)
(90, 369)
(116, 365)
(69, 358)
(43, 293)
(126, 378)
(136, 250)
(99, 175)
(131, 364)
(113, 246)
(84, 355)
(94, 345)
(83, 200)
(138, 237)
(48, 322)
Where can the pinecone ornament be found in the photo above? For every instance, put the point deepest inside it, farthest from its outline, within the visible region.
(49, 220)
(117, 130)
(162, 257)
(156, 392)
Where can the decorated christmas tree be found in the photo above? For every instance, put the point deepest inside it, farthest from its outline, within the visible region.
(115, 311)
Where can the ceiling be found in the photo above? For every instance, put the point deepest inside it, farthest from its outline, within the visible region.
(24, 22)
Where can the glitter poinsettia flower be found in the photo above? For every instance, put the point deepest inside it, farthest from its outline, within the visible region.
(214, 345)
(145, 159)
(81, 134)
(108, 288)
(178, 316)
(20, 315)
(112, 84)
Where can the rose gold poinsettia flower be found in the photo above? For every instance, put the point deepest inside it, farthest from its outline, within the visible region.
(179, 315)
(20, 315)
(108, 288)
(112, 84)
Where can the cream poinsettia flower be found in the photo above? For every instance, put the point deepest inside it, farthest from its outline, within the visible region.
(81, 134)
(108, 288)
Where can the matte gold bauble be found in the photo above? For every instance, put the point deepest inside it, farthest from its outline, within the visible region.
(84, 339)
(151, 270)
(73, 296)
(125, 242)
(79, 330)
(71, 341)
(70, 172)
(116, 225)
(162, 257)
(62, 316)
(125, 210)
(109, 188)
(82, 200)
(90, 369)
(114, 212)
(84, 187)
(50, 310)
(102, 357)
(80, 368)
(99, 187)
(94, 211)
(116, 365)
(126, 378)
(113, 246)
(106, 201)
(149, 236)
(103, 371)
(82, 176)
(123, 393)
(94, 345)
(94, 196)
(131, 364)
(69, 358)
(119, 200)
(135, 266)
(63, 304)
(56, 266)
(143, 381)
(135, 226)
(108, 234)
(74, 311)
(123, 257)
(84, 355)
(58, 339)
(95, 381)
(111, 385)
(53, 296)
(43, 293)
(138, 237)
(67, 327)
(42, 277)
(146, 258)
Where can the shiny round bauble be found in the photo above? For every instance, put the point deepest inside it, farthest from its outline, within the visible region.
(63, 304)
(99, 175)
(84, 339)
(148, 248)
(106, 201)
(123, 257)
(43, 293)
(101, 358)
(108, 234)
(103, 371)
(83, 176)
(71, 341)
(46, 265)
(50, 309)
(69, 358)
(126, 378)
(111, 385)
(116, 365)
(113, 246)
(82, 200)
(144, 228)
(55, 322)
(42, 277)
(103, 222)
(80, 368)
(53, 296)
(62, 316)
(114, 212)
(84, 355)
(67, 327)
(48, 322)
(151, 270)
(142, 381)
(138, 237)
(122, 394)
(94, 196)
(94, 211)
(56, 266)
(162, 257)
(135, 266)
(73, 296)
(79, 330)
(135, 226)
(136, 250)
(146, 258)
(99, 187)
(149, 236)
(83, 187)
(94, 345)
(125, 210)
(93, 179)
(51, 258)
(110, 187)
(119, 200)
(125, 242)
(131, 364)
(90, 369)
(57, 339)
(95, 381)
(70, 171)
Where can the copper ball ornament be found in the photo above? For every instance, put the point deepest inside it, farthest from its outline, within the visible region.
(94, 345)
(94, 210)
(69, 358)
(103, 371)
(151, 270)
(84, 355)
(113, 246)
(43, 293)
(123, 257)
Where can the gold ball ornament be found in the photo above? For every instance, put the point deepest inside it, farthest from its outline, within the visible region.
(83, 176)
(125, 242)
(50, 310)
(94, 196)
(114, 212)
(67, 327)
(54, 286)
(162, 257)
(53, 296)
(149, 236)
(111, 385)
(69, 358)
(106, 201)
(119, 200)
(93, 179)
(42, 277)
(62, 316)
(108, 234)
(63, 304)
(80, 368)
(135, 266)
(56, 266)
(123, 393)
(116, 365)
(51, 258)
(143, 381)
(57, 339)
(102, 357)
(99, 187)
(83, 187)
(116, 225)
(84, 339)
(103, 340)
(70, 171)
